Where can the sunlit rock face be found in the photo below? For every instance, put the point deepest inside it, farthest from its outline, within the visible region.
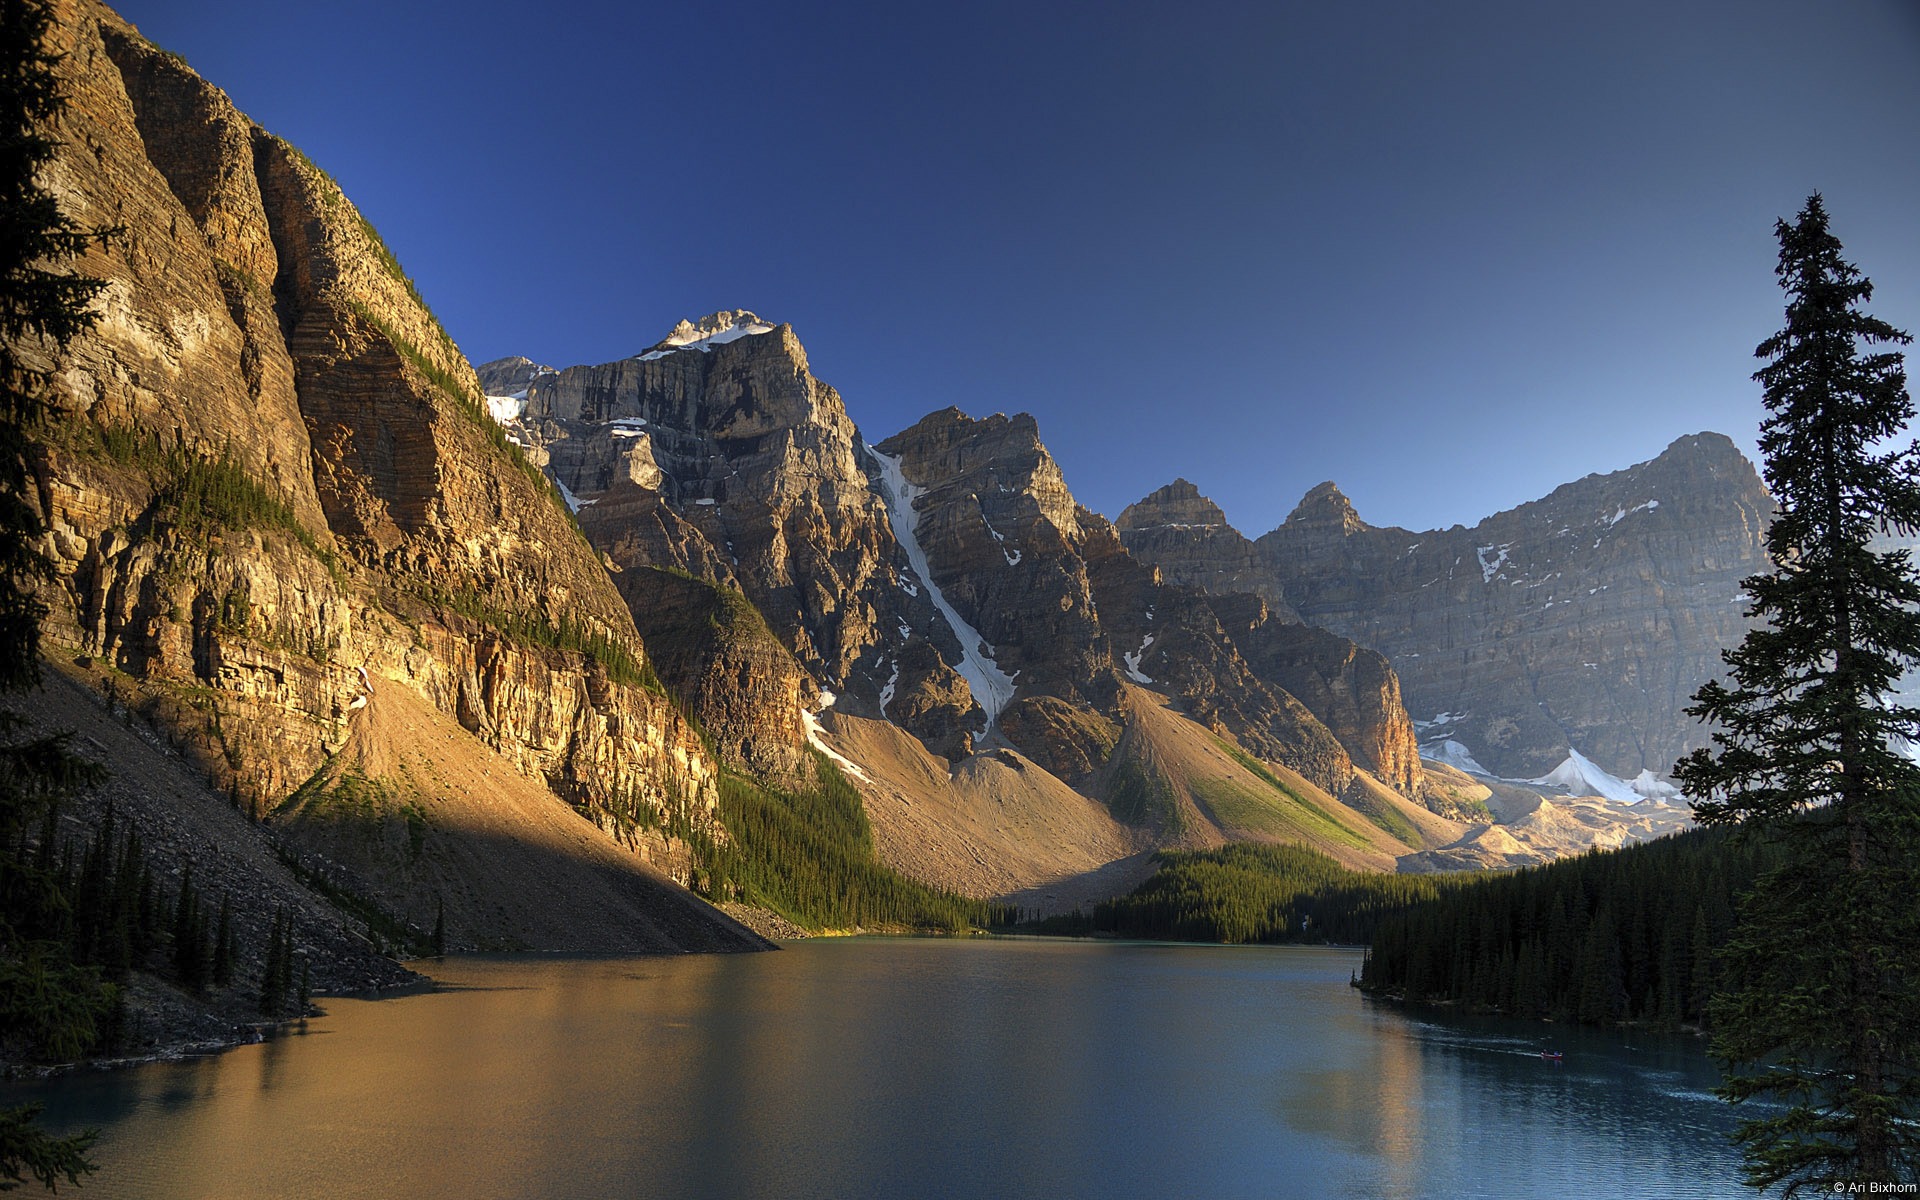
(275, 489)
(1581, 621)
(1070, 614)
(717, 454)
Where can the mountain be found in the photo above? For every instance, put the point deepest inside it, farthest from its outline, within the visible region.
(289, 537)
(944, 582)
(1572, 629)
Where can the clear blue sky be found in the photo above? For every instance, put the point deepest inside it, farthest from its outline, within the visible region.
(1449, 255)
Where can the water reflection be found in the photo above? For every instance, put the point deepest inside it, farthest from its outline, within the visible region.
(891, 1068)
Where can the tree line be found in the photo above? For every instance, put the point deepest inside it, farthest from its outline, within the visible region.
(1612, 935)
(1796, 942)
(808, 854)
(1249, 892)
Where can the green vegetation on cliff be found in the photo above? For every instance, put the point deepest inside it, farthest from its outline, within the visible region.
(1139, 795)
(466, 401)
(1293, 815)
(533, 628)
(197, 494)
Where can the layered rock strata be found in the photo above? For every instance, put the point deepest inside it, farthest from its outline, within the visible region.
(275, 492)
(718, 454)
(1187, 536)
(1071, 615)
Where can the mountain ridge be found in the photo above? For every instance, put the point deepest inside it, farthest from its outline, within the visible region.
(1485, 660)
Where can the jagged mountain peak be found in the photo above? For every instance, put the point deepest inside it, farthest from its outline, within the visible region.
(952, 425)
(1698, 467)
(513, 362)
(714, 329)
(1655, 550)
(1178, 503)
(510, 377)
(1706, 444)
(1326, 506)
(991, 456)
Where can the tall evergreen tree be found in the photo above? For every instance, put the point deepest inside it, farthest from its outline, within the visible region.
(1817, 1014)
(41, 308)
(223, 944)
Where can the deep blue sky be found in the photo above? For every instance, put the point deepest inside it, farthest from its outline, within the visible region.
(1449, 255)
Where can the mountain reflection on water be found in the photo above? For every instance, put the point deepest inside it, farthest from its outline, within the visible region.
(909, 1067)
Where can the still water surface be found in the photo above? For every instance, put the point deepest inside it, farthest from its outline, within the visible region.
(909, 1068)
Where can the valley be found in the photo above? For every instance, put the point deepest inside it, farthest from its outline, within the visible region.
(616, 656)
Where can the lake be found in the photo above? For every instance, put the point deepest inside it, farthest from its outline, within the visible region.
(909, 1068)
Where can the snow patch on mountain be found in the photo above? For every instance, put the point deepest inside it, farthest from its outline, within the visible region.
(816, 737)
(992, 687)
(1488, 566)
(716, 330)
(574, 503)
(1621, 514)
(1454, 755)
(1581, 776)
(1133, 661)
(1652, 787)
(1012, 556)
(1577, 775)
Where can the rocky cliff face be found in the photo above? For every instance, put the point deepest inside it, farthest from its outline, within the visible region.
(1583, 621)
(718, 454)
(1069, 614)
(1187, 536)
(510, 378)
(276, 494)
(1353, 690)
(944, 579)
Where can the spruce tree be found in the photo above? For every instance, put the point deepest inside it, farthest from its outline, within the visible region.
(270, 996)
(223, 944)
(1817, 1016)
(46, 1002)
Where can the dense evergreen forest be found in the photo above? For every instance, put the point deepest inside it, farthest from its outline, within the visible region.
(1615, 935)
(809, 856)
(1254, 893)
